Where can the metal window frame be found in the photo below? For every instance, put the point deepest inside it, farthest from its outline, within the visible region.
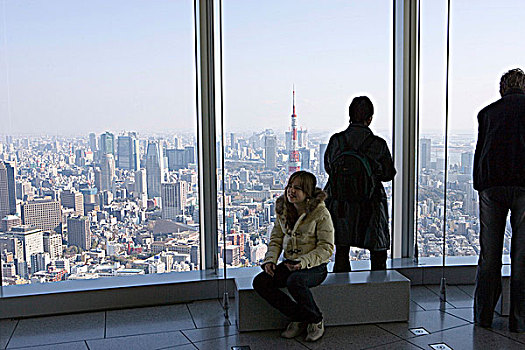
(405, 127)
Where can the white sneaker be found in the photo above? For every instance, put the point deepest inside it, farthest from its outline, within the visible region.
(315, 331)
(293, 330)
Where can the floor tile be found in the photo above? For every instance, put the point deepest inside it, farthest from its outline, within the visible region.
(501, 325)
(415, 307)
(55, 329)
(207, 313)
(428, 300)
(139, 342)
(468, 337)
(432, 321)
(256, 340)
(455, 296)
(201, 334)
(465, 314)
(399, 345)
(148, 320)
(352, 337)
(6, 330)
(79, 345)
(181, 347)
(467, 288)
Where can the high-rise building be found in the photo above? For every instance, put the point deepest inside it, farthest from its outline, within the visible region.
(39, 261)
(294, 164)
(74, 200)
(53, 244)
(107, 172)
(302, 138)
(424, 153)
(305, 158)
(78, 232)
(154, 169)
(7, 189)
(466, 162)
(141, 186)
(176, 159)
(107, 143)
(189, 155)
(93, 142)
(44, 214)
(233, 141)
(128, 152)
(173, 199)
(31, 240)
(322, 151)
(270, 151)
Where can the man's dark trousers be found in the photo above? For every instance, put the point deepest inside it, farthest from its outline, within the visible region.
(494, 205)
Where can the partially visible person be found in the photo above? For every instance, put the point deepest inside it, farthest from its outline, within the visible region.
(357, 162)
(303, 230)
(499, 178)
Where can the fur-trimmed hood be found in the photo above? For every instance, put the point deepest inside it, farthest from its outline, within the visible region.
(318, 197)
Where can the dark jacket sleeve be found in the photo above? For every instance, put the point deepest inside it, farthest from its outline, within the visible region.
(328, 154)
(477, 153)
(386, 171)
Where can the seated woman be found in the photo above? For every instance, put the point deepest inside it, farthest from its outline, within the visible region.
(304, 231)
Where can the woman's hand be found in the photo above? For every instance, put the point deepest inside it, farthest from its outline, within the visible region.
(293, 267)
(269, 268)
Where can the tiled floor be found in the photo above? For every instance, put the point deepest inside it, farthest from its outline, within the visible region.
(201, 325)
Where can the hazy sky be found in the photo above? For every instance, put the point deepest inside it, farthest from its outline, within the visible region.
(79, 66)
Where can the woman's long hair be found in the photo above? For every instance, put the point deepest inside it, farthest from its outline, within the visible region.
(307, 181)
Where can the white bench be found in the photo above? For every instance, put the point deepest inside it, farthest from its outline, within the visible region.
(344, 299)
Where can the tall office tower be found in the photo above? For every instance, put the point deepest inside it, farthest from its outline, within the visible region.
(93, 142)
(176, 142)
(78, 232)
(44, 214)
(128, 152)
(174, 196)
(31, 240)
(107, 172)
(176, 159)
(107, 143)
(270, 151)
(294, 163)
(233, 141)
(466, 162)
(23, 189)
(288, 141)
(53, 244)
(189, 155)
(74, 200)
(424, 153)
(154, 169)
(305, 158)
(7, 189)
(141, 186)
(322, 151)
(302, 138)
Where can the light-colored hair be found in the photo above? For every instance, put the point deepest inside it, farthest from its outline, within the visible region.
(513, 79)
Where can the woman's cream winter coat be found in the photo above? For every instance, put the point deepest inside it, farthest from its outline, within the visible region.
(311, 241)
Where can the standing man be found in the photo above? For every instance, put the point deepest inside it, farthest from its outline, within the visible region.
(357, 161)
(499, 178)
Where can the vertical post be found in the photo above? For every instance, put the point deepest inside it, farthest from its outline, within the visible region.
(406, 57)
(206, 137)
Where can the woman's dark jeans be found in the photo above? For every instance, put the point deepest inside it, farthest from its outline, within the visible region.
(303, 308)
(494, 205)
(342, 261)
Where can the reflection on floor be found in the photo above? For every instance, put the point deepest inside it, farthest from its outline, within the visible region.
(201, 325)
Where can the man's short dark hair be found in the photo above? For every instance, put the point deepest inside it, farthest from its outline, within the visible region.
(361, 109)
(513, 79)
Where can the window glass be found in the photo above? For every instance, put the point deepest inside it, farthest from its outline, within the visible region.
(97, 115)
(328, 52)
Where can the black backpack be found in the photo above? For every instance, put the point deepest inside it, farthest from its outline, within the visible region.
(351, 178)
